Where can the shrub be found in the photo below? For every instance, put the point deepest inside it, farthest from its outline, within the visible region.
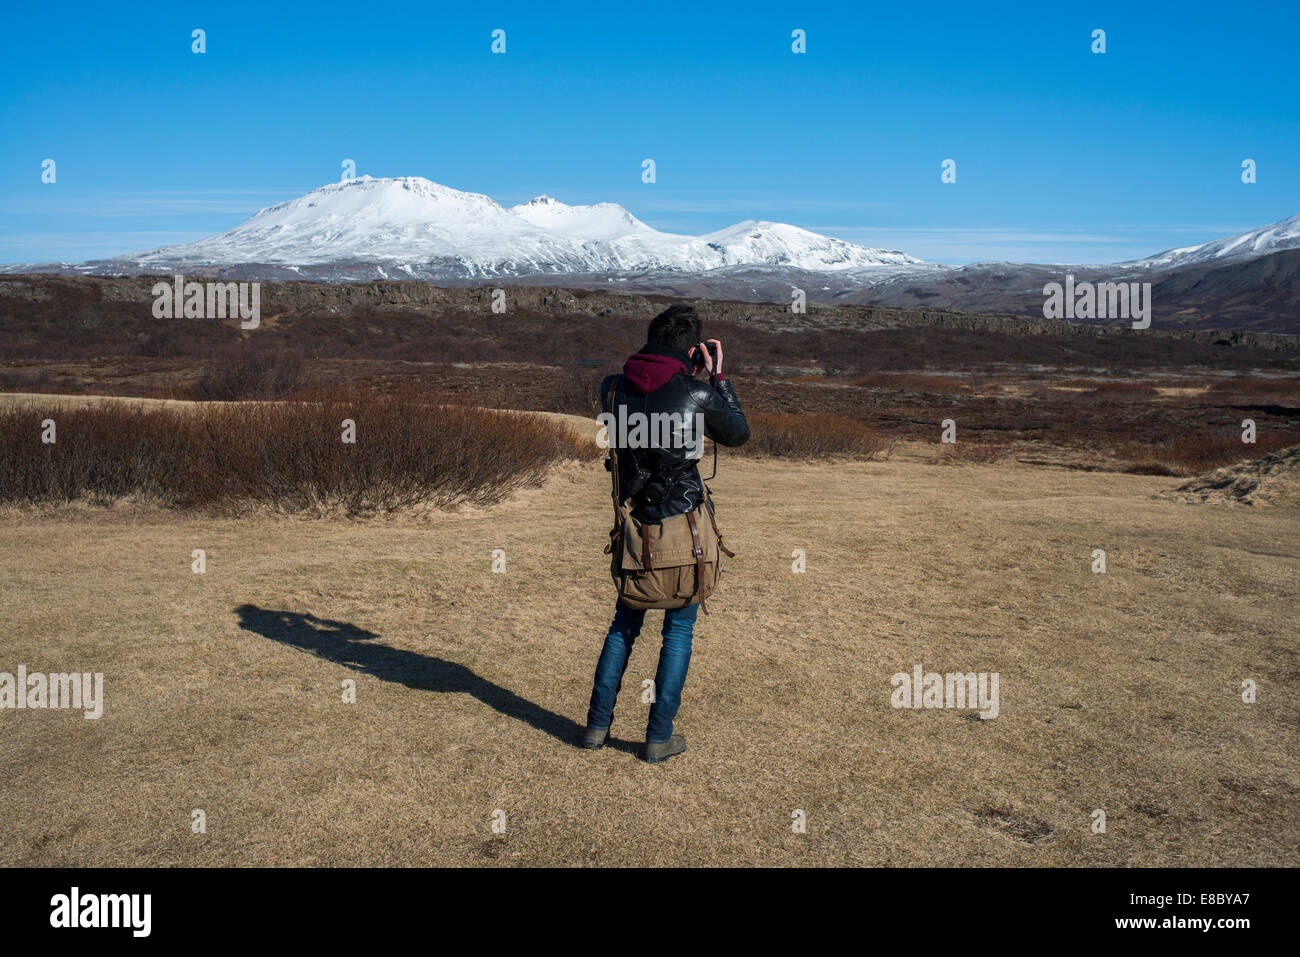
(409, 450)
(1199, 453)
(912, 382)
(1122, 391)
(577, 392)
(1288, 388)
(39, 381)
(246, 371)
(973, 453)
(811, 435)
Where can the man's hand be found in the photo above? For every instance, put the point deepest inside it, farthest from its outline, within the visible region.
(713, 368)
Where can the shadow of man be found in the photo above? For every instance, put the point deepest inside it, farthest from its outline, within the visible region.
(346, 644)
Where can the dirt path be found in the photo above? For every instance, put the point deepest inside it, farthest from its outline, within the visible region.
(1118, 692)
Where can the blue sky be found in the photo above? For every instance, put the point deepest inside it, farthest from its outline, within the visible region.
(1062, 155)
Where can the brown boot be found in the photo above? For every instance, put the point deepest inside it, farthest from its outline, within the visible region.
(656, 751)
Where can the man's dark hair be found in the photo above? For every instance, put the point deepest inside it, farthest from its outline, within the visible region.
(677, 327)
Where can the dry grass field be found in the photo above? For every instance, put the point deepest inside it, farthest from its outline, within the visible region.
(1118, 691)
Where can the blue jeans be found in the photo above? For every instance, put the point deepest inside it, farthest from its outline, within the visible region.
(674, 659)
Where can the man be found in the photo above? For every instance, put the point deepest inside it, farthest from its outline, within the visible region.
(660, 379)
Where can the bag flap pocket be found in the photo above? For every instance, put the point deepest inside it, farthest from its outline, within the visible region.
(669, 542)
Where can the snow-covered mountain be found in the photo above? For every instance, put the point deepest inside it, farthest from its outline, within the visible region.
(1257, 242)
(409, 228)
(422, 229)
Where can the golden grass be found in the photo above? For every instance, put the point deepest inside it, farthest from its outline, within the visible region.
(1118, 691)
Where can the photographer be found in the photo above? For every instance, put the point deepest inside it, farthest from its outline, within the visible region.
(657, 492)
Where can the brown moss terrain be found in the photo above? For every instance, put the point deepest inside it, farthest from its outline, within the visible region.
(1119, 692)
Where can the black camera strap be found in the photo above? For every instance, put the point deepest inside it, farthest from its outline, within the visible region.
(611, 463)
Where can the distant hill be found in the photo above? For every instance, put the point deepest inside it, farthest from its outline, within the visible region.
(410, 228)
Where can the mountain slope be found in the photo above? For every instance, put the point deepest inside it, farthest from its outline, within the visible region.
(430, 231)
(1264, 241)
(410, 228)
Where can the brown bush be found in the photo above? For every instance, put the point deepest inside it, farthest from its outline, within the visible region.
(409, 450)
(811, 435)
(1197, 454)
(248, 371)
(39, 380)
(576, 391)
(973, 453)
(1270, 388)
(911, 382)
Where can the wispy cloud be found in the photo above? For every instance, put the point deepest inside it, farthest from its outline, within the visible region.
(53, 201)
(79, 246)
(43, 225)
(46, 225)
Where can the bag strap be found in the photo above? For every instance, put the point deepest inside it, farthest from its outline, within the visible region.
(714, 523)
(708, 507)
(698, 550)
(708, 498)
(611, 463)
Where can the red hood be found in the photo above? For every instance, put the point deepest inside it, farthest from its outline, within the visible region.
(646, 372)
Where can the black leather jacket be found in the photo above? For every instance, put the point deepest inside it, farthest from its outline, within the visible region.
(673, 471)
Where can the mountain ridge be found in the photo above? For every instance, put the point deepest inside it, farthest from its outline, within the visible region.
(413, 229)
(406, 222)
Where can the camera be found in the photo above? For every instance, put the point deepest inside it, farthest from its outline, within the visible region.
(646, 487)
(713, 354)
